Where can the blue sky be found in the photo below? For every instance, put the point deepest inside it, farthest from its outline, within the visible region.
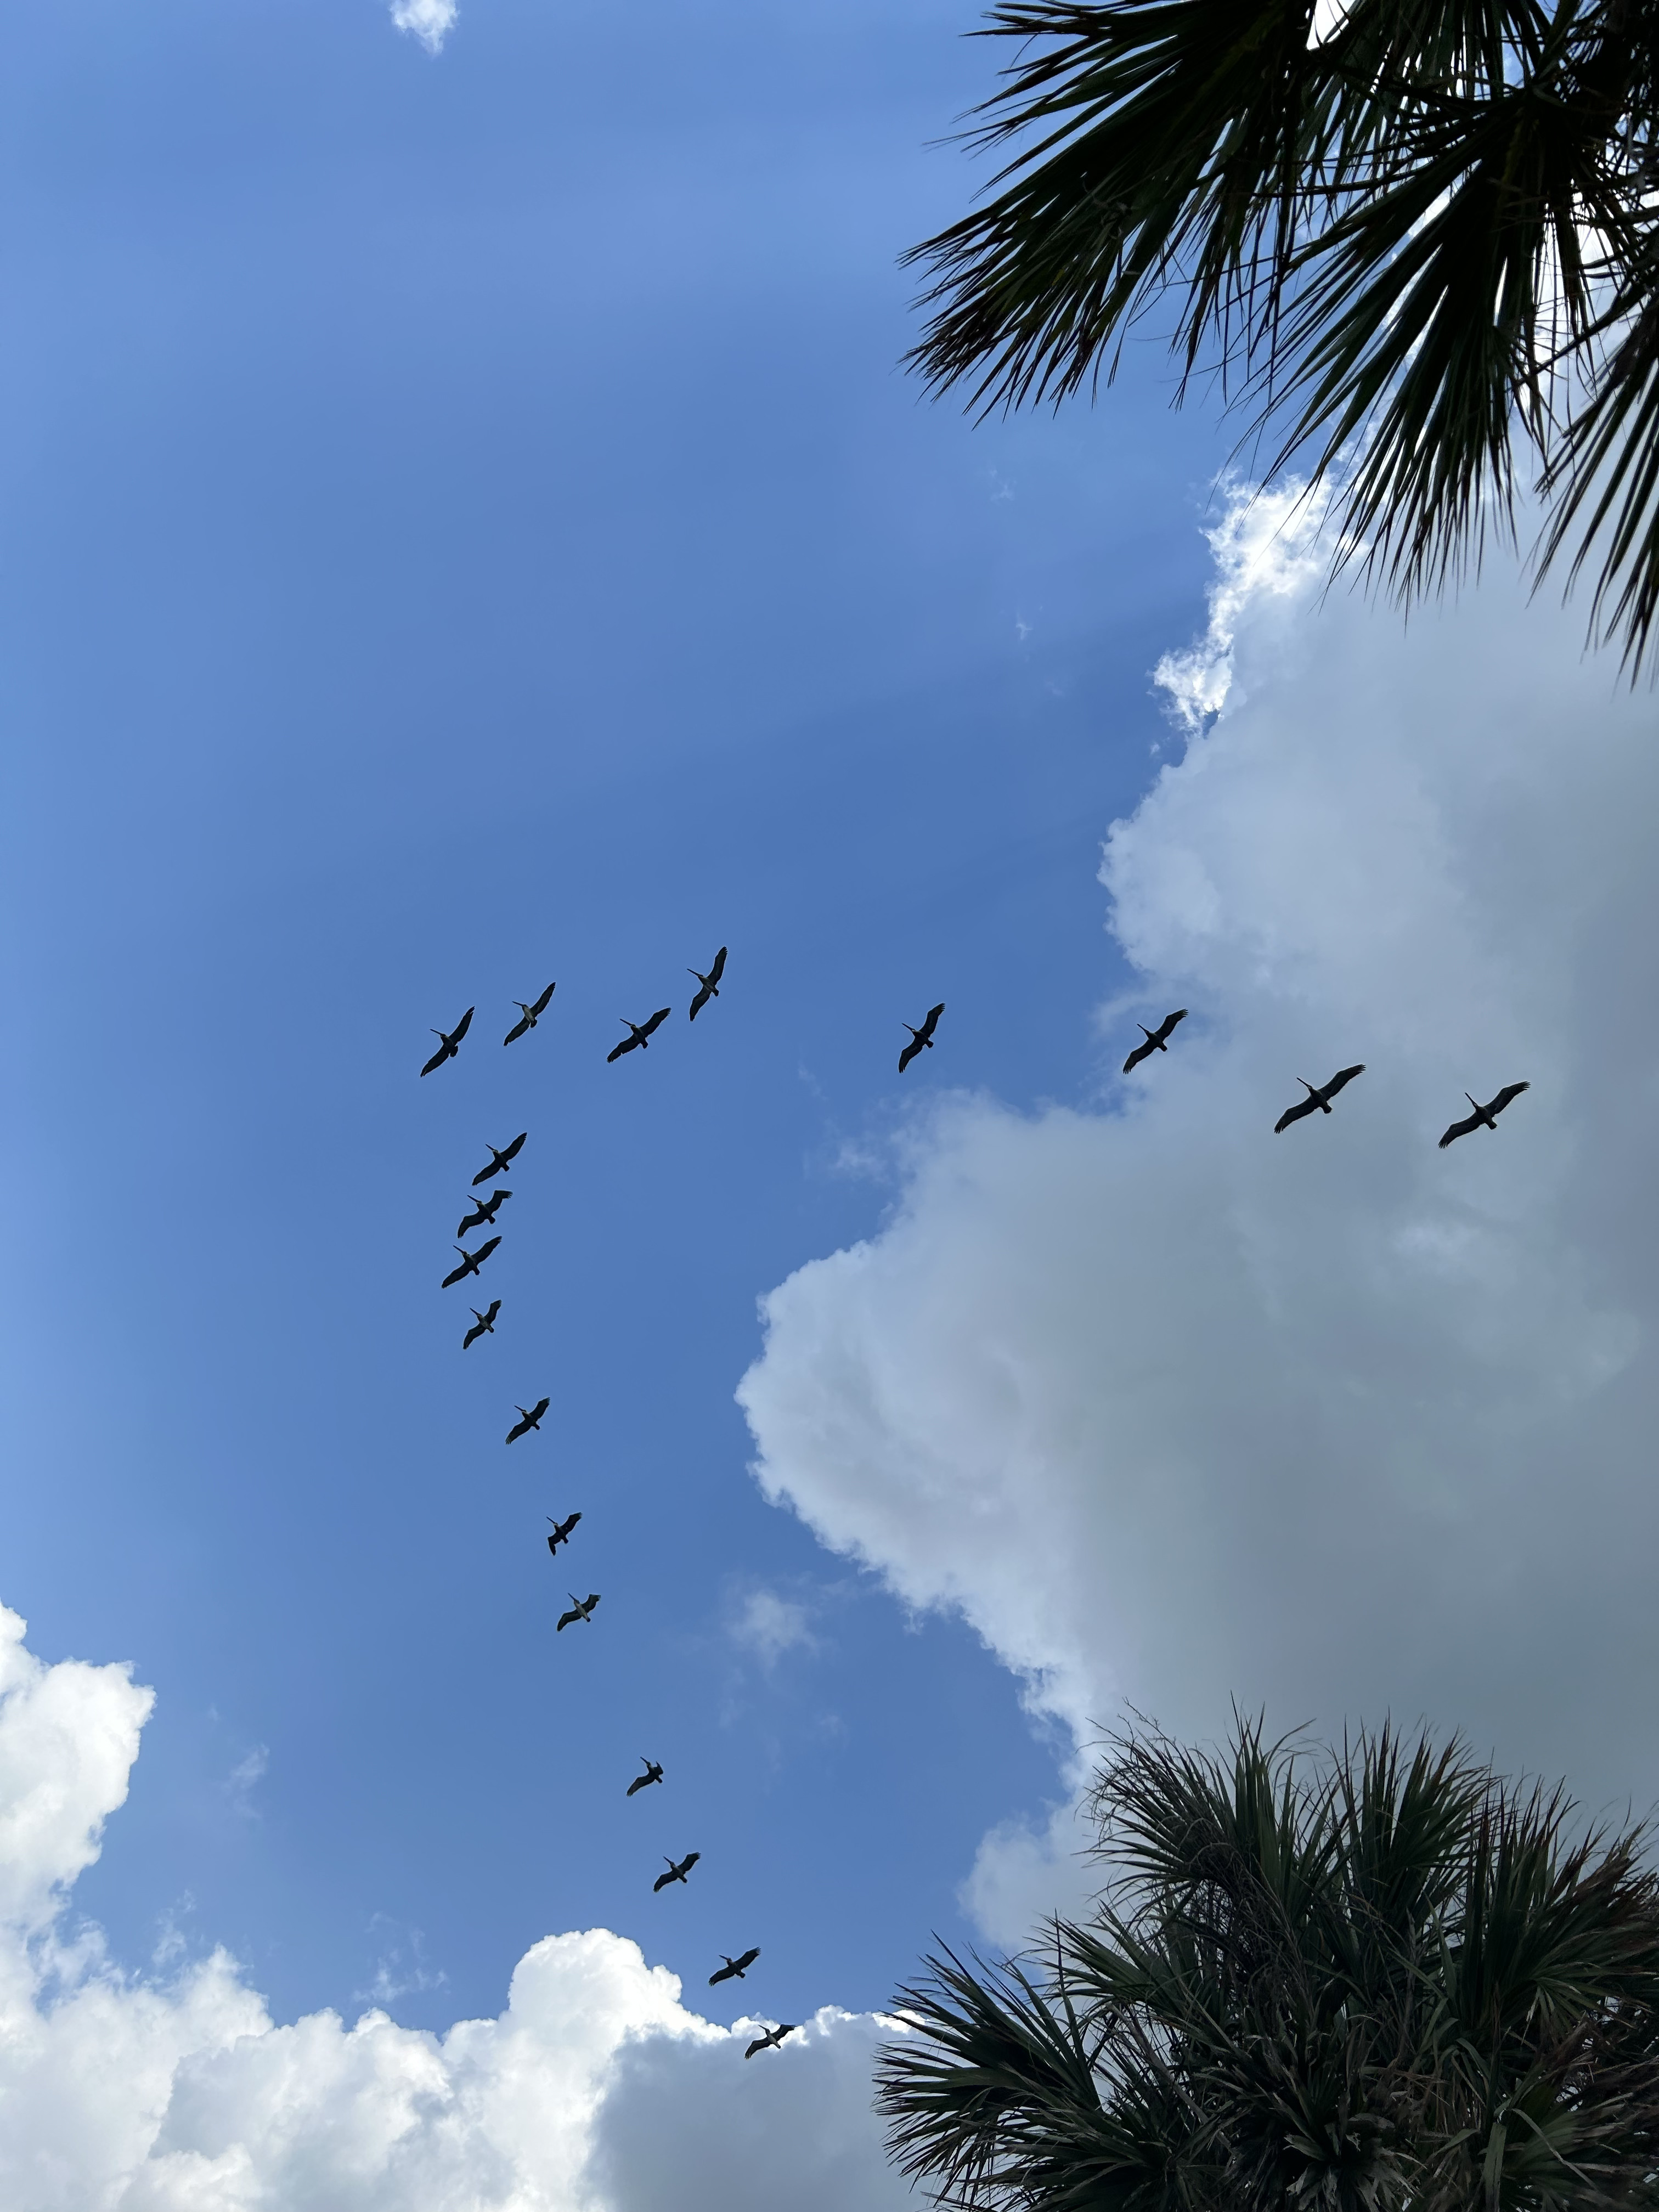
(464, 525)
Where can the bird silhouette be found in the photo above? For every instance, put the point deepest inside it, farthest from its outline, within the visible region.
(677, 1873)
(561, 1532)
(1317, 1101)
(527, 1420)
(449, 1044)
(470, 1263)
(498, 1161)
(652, 1773)
(772, 2038)
(1157, 1040)
(584, 1609)
(484, 1211)
(735, 1969)
(710, 982)
(485, 1323)
(531, 1015)
(1484, 1117)
(922, 1040)
(641, 1032)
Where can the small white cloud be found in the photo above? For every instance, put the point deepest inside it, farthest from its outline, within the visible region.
(401, 1969)
(430, 20)
(240, 1781)
(768, 1626)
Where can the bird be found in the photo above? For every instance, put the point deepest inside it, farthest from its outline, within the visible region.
(1157, 1040)
(486, 1323)
(531, 1014)
(641, 1032)
(448, 1045)
(528, 1419)
(922, 1040)
(561, 1532)
(484, 1211)
(652, 1773)
(710, 982)
(772, 2038)
(1484, 1117)
(1317, 1102)
(499, 1160)
(735, 1969)
(676, 1873)
(584, 1609)
(470, 1263)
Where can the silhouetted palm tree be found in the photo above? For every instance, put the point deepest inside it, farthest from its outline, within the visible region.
(1348, 1982)
(1415, 233)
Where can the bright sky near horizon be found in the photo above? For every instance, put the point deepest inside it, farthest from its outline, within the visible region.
(462, 525)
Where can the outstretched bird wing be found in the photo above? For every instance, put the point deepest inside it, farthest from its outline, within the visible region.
(649, 1029)
(1343, 1076)
(909, 1053)
(748, 1960)
(719, 968)
(461, 1027)
(437, 1058)
(617, 1050)
(518, 1428)
(1463, 1128)
(479, 1327)
(726, 1974)
(1310, 1105)
(689, 1861)
(455, 1275)
(484, 1250)
(542, 1003)
(663, 1879)
(931, 1022)
(701, 999)
(760, 2042)
(512, 1151)
(517, 1029)
(475, 1219)
(1509, 1093)
(1139, 1055)
(1168, 1024)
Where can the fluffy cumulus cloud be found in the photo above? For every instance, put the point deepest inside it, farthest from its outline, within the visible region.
(1177, 1412)
(429, 21)
(595, 2089)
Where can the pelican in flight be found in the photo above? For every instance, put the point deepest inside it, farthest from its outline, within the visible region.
(485, 1323)
(561, 1532)
(772, 2038)
(676, 1873)
(922, 1040)
(1157, 1040)
(640, 1033)
(470, 1263)
(498, 1161)
(652, 1773)
(528, 1419)
(531, 1015)
(1484, 1117)
(583, 1608)
(710, 982)
(735, 1969)
(1317, 1101)
(449, 1043)
(484, 1210)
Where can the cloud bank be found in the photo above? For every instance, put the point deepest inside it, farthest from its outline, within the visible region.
(430, 20)
(1176, 1411)
(595, 2089)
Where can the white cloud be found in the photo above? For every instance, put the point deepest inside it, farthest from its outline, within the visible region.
(768, 1626)
(1176, 1411)
(431, 20)
(595, 2089)
(243, 1778)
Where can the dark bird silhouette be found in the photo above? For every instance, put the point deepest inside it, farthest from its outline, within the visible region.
(1157, 1040)
(676, 1873)
(531, 1014)
(641, 1032)
(652, 1773)
(498, 1161)
(448, 1044)
(485, 1323)
(922, 1040)
(772, 2038)
(1484, 1117)
(735, 1969)
(484, 1211)
(561, 1532)
(470, 1263)
(710, 982)
(584, 1609)
(1317, 1102)
(527, 1420)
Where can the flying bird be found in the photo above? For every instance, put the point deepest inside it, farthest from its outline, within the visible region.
(676, 1873)
(527, 1420)
(1317, 1102)
(1484, 1117)
(449, 1043)
(772, 2038)
(486, 1322)
(584, 1609)
(710, 982)
(531, 1015)
(922, 1040)
(500, 1160)
(561, 1532)
(1157, 1040)
(652, 1773)
(735, 1969)
(484, 1211)
(641, 1032)
(470, 1263)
